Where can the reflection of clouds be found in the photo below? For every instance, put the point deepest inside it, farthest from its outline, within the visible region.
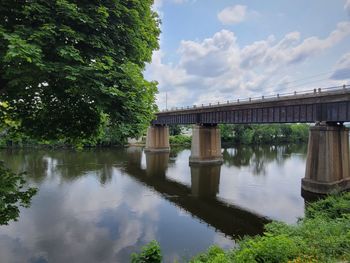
(222, 241)
(180, 171)
(276, 195)
(63, 224)
(78, 217)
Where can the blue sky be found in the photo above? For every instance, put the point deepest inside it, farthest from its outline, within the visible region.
(218, 50)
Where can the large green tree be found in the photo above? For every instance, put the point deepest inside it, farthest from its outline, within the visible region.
(69, 66)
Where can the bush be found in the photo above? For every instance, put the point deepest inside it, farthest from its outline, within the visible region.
(150, 253)
(180, 140)
(274, 249)
(214, 254)
(335, 206)
(12, 194)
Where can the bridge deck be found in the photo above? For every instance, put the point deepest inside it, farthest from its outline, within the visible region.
(331, 105)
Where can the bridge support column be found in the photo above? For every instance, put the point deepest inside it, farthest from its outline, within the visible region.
(206, 144)
(328, 163)
(157, 139)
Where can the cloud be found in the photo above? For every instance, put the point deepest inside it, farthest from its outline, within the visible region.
(232, 15)
(217, 68)
(342, 68)
(347, 7)
(212, 57)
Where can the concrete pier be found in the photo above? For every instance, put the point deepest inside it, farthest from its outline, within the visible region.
(328, 163)
(157, 139)
(206, 144)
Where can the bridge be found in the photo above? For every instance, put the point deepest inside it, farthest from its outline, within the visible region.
(328, 162)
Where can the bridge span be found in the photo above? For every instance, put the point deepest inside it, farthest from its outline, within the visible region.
(328, 162)
(330, 105)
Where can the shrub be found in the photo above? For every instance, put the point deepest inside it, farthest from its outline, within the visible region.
(332, 207)
(272, 249)
(180, 140)
(214, 254)
(150, 253)
(12, 194)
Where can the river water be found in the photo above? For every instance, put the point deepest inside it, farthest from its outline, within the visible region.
(101, 205)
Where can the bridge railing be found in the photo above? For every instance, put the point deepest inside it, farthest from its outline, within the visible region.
(255, 99)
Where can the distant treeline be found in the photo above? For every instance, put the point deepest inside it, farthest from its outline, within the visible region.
(264, 133)
(234, 134)
(231, 134)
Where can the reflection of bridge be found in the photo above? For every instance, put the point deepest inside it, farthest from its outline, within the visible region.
(328, 163)
(199, 199)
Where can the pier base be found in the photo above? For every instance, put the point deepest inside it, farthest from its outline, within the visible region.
(206, 145)
(157, 139)
(328, 163)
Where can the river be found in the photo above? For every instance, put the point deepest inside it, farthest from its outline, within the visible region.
(100, 205)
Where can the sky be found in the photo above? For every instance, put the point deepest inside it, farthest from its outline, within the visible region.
(219, 50)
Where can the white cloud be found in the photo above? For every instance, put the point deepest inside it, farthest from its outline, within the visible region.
(342, 68)
(232, 15)
(212, 57)
(347, 7)
(217, 68)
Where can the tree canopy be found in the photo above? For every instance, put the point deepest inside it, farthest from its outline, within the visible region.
(67, 67)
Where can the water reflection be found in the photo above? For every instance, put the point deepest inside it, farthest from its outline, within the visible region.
(257, 157)
(101, 205)
(156, 164)
(205, 180)
(199, 199)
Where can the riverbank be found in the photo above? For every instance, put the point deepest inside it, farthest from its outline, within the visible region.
(323, 235)
(231, 135)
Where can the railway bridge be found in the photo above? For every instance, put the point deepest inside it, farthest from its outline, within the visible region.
(328, 162)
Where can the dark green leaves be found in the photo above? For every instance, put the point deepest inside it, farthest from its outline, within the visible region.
(65, 64)
(12, 194)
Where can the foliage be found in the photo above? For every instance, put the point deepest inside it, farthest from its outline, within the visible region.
(180, 140)
(12, 194)
(272, 249)
(213, 254)
(67, 65)
(264, 133)
(333, 207)
(175, 129)
(150, 254)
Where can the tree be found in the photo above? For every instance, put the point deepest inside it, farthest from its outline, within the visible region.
(68, 67)
(175, 129)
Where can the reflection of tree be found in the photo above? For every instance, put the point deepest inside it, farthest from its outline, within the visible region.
(12, 194)
(239, 156)
(68, 165)
(258, 157)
